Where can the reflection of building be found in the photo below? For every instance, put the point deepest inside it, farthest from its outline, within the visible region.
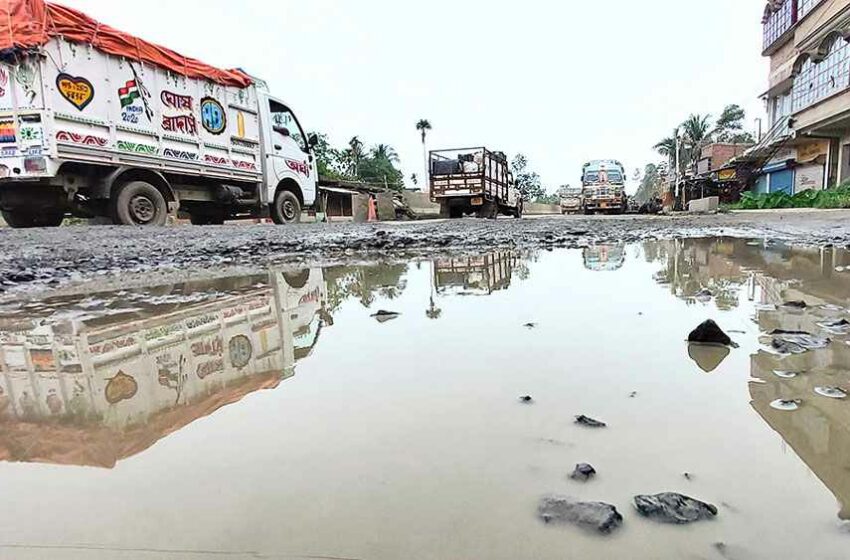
(604, 258)
(479, 275)
(93, 391)
(819, 431)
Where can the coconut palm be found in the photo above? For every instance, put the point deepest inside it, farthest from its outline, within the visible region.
(355, 154)
(697, 133)
(386, 152)
(424, 126)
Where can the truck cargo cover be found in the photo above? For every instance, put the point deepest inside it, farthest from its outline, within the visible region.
(32, 23)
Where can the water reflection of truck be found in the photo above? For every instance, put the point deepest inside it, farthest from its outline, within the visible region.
(473, 181)
(604, 258)
(604, 187)
(95, 391)
(479, 275)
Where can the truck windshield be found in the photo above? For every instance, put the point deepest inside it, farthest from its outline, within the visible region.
(591, 177)
(284, 119)
(615, 177)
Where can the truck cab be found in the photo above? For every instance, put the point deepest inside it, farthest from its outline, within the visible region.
(604, 187)
(291, 172)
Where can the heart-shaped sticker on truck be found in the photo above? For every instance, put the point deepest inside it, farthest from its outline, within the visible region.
(78, 91)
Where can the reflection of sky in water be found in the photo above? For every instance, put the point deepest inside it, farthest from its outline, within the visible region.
(411, 429)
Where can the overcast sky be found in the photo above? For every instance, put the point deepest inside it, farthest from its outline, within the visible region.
(562, 82)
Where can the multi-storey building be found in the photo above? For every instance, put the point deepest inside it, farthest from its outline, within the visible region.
(807, 145)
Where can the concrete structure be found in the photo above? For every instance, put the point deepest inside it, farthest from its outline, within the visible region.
(808, 96)
(420, 203)
(704, 205)
(534, 209)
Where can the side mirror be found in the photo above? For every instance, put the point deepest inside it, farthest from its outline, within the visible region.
(282, 130)
(313, 140)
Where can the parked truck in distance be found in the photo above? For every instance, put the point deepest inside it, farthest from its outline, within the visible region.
(473, 181)
(111, 126)
(604, 187)
(571, 200)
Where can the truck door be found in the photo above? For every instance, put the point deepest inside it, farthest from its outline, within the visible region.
(288, 153)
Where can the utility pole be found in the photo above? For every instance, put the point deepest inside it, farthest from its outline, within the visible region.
(676, 135)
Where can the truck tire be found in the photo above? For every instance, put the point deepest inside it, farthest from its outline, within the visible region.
(19, 219)
(518, 211)
(286, 209)
(445, 210)
(489, 211)
(138, 203)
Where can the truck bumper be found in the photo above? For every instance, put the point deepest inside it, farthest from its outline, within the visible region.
(29, 168)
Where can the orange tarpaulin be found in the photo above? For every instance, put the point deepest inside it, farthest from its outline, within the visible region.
(32, 23)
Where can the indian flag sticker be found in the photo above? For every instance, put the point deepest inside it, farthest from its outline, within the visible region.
(129, 93)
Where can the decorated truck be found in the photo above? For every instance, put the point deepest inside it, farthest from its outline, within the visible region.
(97, 123)
(98, 389)
(473, 181)
(604, 187)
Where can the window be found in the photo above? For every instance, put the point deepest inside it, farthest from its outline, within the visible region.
(806, 6)
(591, 177)
(817, 81)
(777, 21)
(284, 122)
(615, 177)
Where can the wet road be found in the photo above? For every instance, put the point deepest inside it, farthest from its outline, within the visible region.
(35, 260)
(280, 415)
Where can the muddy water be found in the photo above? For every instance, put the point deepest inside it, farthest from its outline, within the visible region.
(274, 417)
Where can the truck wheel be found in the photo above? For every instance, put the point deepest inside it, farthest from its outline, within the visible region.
(456, 212)
(518, 211)
(445, 211)
(286, 209)
(140, 204)
(19, 219)
(489, 211)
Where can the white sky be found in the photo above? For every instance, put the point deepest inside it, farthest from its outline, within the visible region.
(562, 82)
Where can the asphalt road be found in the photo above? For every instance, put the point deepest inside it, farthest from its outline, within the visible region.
(55, 261)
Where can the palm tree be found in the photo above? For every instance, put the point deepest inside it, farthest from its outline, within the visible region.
(698, 133)
(423, 126)
(385, 152)
(355, 153)
(666, 147)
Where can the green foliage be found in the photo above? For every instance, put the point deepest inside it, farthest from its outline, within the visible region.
(355, 163)
(423, 126)
(527, 182)
(697, 132)
(649, 185)
(830, 198)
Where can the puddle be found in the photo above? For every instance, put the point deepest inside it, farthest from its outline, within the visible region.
(377, 412)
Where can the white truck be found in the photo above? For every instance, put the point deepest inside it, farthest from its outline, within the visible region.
(92, 134)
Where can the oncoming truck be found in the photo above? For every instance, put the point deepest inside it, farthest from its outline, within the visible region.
(473, 181)
(97, 123)
(604, 187)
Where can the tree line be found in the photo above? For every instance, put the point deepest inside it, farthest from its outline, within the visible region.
(376, 165)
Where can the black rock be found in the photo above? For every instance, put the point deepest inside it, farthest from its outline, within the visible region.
(583, 472)
(384, 316)
(526, 399)
(709, 333)
(796, 304)
(591, 515)
(675, 508)
(590, 422)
